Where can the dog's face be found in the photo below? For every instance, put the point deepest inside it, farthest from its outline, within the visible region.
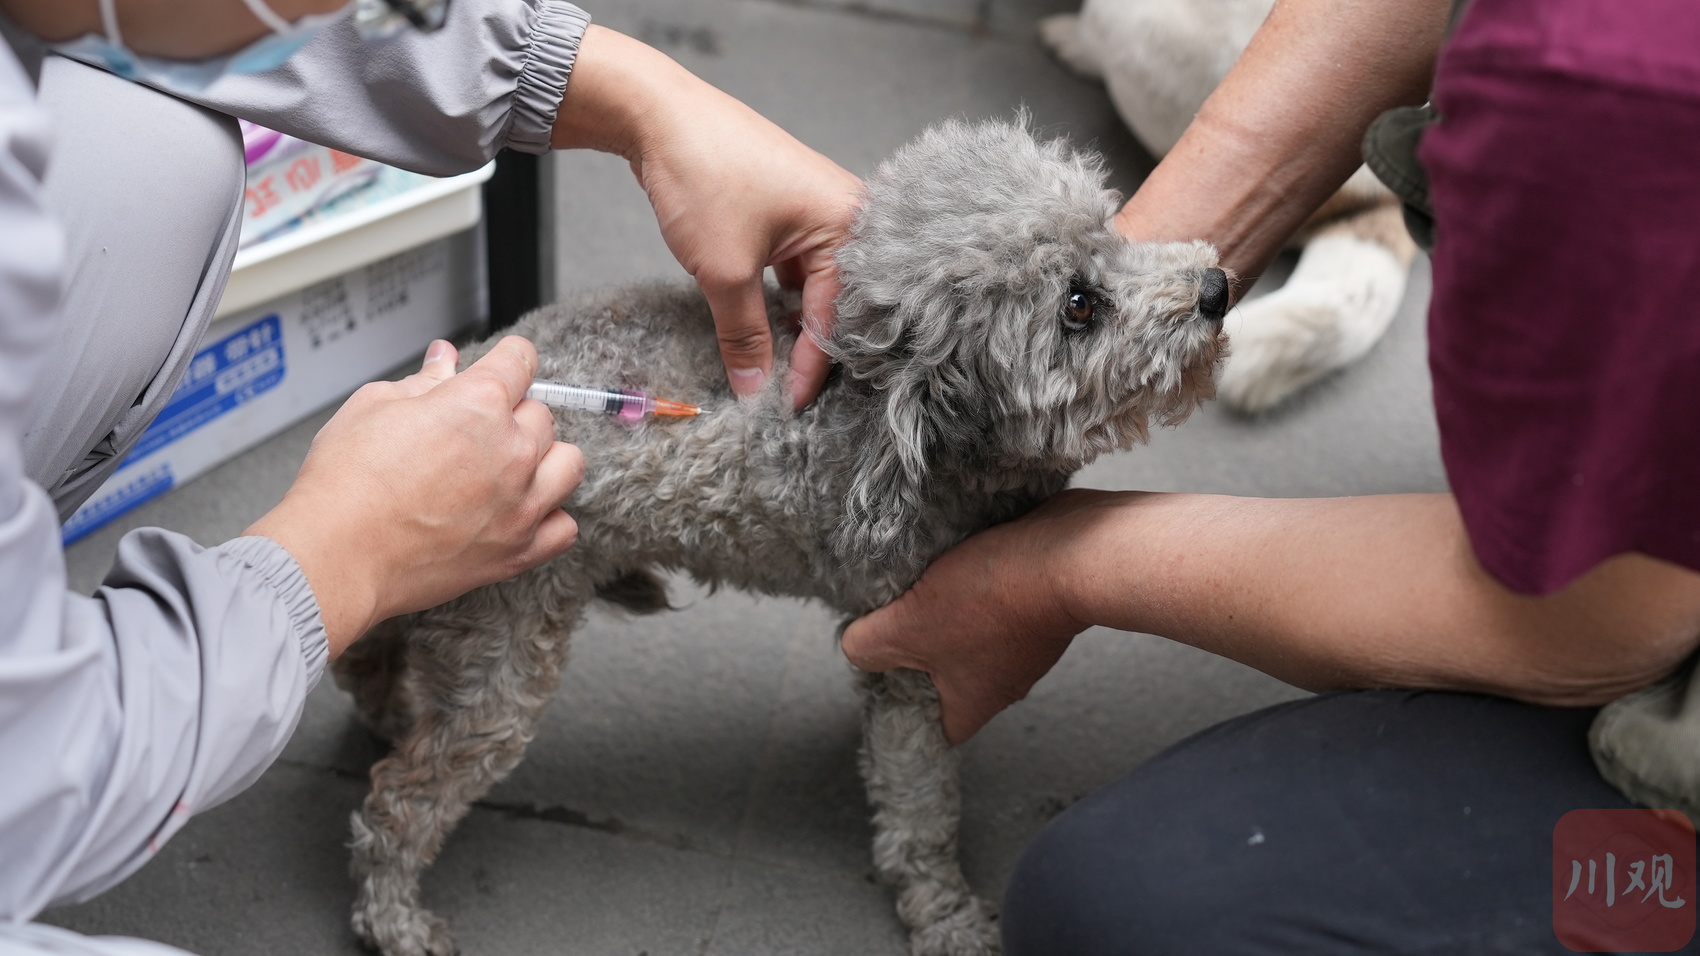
(987, 296)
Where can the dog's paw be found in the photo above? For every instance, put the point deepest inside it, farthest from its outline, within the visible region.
(1332, 311)
(970, 930)
(1062, 36)
(404, 932)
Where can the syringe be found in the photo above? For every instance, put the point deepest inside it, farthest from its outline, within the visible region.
(628, 406)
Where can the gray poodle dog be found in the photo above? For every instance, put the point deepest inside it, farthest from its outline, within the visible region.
(994, 334)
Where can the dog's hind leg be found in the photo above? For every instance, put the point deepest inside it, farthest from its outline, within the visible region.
(485, 666)
(374, 672)
(911, 775)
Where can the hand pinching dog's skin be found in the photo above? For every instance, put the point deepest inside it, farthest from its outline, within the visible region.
(994, 334)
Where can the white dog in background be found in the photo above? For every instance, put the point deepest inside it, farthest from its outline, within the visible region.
(1160, 59)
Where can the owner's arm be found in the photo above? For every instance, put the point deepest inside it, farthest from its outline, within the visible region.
(1381, 590)
(1324, 593)
(1285, 127)
(1560, 399)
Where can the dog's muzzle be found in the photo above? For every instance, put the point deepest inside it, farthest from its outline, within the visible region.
(1213, 295)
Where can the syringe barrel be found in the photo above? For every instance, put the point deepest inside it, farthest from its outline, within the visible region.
(628, 406)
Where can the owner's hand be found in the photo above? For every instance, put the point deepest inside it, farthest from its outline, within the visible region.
(986, 620)
(733, 194)
(420, 490)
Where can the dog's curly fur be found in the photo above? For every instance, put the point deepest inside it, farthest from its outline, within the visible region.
(963, 398)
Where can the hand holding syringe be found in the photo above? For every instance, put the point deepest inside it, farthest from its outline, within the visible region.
(628, 406)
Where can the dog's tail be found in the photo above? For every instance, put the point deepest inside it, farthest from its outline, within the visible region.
(641, 592)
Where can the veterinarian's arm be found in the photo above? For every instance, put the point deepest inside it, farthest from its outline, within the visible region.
(1324, 593)
(440, 103)
(733, 193)
(178, 682)
(420, 490)
(1285, 127)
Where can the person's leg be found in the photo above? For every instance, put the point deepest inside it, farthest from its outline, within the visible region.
(150, 190)
(1377, 821)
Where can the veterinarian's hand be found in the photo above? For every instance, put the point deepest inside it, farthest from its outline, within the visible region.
(420, 490)
(986, 620)
(733, 194)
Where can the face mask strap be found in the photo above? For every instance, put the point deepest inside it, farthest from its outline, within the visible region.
(109, 22)
(265, 14)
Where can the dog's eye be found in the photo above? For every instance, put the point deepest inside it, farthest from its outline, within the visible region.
(1077, 312)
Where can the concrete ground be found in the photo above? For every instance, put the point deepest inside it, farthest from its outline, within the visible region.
(694, 790)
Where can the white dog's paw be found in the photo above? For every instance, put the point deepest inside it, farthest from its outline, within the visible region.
(400, 931)
(1061, 35)
(971, 930)
(1335, 307)
(1284, 343)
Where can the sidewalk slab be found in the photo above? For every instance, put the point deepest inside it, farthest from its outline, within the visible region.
(776, 911)
(660, 722)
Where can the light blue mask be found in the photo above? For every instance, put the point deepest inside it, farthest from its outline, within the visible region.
(194, 76)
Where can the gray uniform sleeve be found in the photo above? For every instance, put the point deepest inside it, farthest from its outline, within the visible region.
(170, 689)
(440, 103)
(175, 685)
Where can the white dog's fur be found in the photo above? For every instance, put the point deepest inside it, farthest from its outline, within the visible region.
(1160, 59)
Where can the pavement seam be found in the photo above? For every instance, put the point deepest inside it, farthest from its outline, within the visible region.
(566, 816)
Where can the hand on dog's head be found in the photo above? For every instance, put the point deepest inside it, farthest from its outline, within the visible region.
(1006, 324)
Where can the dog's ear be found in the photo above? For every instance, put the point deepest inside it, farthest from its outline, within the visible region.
(953, 227)
(888, 487)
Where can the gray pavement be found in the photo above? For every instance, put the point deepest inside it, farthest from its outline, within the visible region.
(694, 788)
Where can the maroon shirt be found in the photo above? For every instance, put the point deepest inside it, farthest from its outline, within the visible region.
(1564, 331)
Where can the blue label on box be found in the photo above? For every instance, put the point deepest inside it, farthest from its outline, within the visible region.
(138, 485)
(222, 376)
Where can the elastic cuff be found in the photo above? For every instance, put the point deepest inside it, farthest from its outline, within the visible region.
(278, 569)
(543, 79)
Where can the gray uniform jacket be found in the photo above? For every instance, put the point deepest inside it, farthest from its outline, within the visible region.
(179, 681)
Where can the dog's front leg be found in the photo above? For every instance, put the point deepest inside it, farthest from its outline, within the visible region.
(911, 775)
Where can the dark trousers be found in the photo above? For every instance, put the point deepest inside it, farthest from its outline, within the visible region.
(1370, 822)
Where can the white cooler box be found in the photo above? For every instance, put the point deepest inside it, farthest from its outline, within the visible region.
(307, 318)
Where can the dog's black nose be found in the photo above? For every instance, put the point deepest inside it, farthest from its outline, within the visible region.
(1213, 295)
